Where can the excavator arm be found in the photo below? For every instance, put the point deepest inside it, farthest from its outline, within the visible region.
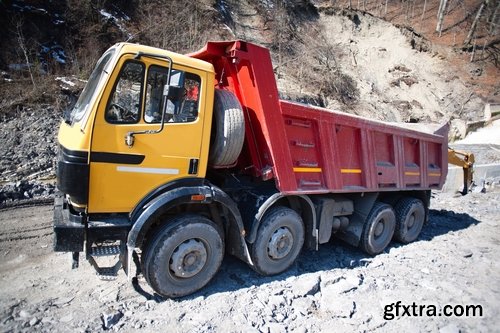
(466, 161)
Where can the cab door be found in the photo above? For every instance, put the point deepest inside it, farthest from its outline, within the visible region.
(121, 175)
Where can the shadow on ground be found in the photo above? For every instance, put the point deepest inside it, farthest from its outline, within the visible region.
(235, 275)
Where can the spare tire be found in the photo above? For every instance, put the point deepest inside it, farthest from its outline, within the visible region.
(228, 130)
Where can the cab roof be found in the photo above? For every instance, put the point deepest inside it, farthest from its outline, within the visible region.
(176, 57)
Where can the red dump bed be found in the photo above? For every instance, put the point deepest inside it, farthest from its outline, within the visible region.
(313, 150)
(339, 152)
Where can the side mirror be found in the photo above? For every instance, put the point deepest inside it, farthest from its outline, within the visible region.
(173, 93)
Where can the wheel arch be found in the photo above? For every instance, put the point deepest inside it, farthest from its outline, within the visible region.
(216, 203)
(301, 204)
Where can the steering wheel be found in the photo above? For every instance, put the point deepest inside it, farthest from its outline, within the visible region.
(124, 113)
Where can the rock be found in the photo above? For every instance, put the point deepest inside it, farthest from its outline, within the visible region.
(150, 304)
(63, 301)
(340, 305)
(279, 317)
(67, 318)
(255, 319)
(24, 314)
(303, 305)
(308, 285)
(467, 253)
(343, 285)
(257, 303)
(34, 321)
(111, 319)
(276, 302)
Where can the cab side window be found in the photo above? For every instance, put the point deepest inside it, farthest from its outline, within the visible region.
(181, 110)
(125, 103)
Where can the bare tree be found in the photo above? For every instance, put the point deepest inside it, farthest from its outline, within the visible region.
(475, 22)
(473, 51)
(441, 12)
(493, 19)
(24, 49)
(413, 8)
(439, 9)
(423, 13)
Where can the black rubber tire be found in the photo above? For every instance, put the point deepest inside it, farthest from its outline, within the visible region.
(381, 221)
(159, 254)
(228, 129)
(410, 218)
(278, 220)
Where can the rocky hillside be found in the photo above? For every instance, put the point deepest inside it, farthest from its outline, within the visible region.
(380, 59)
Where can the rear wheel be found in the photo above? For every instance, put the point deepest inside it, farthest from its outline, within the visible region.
(184, 256)
(279, 240)
(410, 217)
(379, 229)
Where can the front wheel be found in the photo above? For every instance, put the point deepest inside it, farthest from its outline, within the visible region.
(183, 256)
(279, 240)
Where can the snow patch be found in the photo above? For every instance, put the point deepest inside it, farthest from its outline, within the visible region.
(118, 21)
(66, 81)
(52, 51)
(29, 9)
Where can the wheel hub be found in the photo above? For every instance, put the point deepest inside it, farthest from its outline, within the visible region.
(379, 228)
(411, 221)
(280, 244)
(188, 258)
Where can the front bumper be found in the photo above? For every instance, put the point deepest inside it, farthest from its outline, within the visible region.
(69, 227)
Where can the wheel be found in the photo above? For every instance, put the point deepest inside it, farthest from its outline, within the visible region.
(279, 240)
(410, 217)
(379, 228)
(228, 130)
(183, 256)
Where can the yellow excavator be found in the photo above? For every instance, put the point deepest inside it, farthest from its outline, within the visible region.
(466, 161)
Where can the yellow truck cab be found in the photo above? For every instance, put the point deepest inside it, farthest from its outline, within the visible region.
(122, 102)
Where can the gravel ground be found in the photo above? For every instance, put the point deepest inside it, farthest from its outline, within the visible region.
(27, 153)
(454, 262)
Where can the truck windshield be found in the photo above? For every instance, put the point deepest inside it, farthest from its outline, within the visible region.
(85, 98)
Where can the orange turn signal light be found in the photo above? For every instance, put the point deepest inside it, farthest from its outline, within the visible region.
(198, 197)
